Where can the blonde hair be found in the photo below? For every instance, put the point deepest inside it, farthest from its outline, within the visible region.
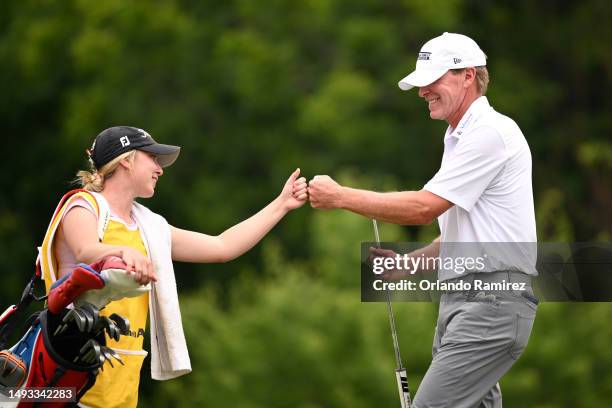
(93, 179)
(482, 78)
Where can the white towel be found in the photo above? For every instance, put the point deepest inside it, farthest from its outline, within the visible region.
(169, 355)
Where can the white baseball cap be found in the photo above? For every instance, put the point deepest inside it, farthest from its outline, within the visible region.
(438, 55)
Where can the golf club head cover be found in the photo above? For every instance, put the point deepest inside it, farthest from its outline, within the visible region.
(70, 286)
(119, 283)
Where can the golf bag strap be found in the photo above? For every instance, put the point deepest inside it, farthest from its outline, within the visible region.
(58, 213)
(7, 326)
(59, 373)
(31, 321)
(46, 260)
(90, 382)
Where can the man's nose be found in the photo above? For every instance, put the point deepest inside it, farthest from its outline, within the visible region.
(423, 91)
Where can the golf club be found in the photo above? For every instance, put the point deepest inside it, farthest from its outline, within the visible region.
(400, 372)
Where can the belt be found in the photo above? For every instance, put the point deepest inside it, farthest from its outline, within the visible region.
(497, 276)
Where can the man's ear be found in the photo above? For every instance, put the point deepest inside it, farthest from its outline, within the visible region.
(470, 76)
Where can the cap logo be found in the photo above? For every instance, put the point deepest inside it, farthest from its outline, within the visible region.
(125, 141)
(424, 56)
(143, 133)
(456, 60)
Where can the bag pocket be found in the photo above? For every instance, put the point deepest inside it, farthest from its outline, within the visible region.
(117, 385)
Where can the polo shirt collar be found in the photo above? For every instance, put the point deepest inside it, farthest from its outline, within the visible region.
(477, 108)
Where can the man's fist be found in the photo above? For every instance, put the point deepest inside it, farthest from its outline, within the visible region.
(324, 193)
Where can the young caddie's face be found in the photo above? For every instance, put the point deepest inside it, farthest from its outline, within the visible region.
(145, 173)
(444, 96)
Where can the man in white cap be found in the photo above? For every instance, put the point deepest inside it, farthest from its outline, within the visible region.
(481, 194)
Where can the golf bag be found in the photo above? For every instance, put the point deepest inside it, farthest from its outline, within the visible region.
(62, 347)
(38, 360)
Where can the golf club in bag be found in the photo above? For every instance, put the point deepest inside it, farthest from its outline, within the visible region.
(400, 372)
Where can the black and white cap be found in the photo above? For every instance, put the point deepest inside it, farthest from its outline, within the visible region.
(117, 140)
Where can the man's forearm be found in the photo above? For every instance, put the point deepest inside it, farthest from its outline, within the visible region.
(401, 207)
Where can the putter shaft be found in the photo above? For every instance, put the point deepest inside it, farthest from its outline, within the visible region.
(400, 372)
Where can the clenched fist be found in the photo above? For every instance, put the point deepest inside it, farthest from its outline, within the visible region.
(324, 193)
(294, 193)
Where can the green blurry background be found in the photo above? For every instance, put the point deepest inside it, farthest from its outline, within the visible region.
(253, 89)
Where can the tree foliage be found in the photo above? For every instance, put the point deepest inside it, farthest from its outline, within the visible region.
(252, 90)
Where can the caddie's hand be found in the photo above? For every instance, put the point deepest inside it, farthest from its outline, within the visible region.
(295, 191)
(324, 193)
(138, 265)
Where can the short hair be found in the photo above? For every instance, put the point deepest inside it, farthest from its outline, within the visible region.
(482, 78)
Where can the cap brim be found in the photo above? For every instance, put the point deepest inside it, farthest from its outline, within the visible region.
(421, 77)
(166, 154)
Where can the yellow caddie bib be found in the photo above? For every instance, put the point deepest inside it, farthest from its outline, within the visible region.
(118, 386)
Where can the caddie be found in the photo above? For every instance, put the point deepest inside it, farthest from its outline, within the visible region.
(105, 220)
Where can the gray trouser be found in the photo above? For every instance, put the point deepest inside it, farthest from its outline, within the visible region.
(479, 335)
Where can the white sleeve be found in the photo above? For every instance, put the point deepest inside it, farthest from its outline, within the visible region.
(473, 164)
(79, 202)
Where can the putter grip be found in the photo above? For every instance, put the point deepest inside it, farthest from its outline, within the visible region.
(402, 386)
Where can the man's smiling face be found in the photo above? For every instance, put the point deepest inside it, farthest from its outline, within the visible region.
(445, 96)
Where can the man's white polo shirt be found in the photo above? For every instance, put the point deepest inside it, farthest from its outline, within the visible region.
(486, 173)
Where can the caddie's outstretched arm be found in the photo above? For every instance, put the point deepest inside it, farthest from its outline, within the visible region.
(191, 246)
